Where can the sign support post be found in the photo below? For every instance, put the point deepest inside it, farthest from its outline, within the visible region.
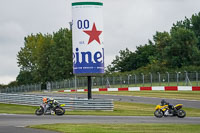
(89, 87)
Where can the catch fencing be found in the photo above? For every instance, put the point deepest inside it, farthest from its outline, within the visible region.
(70, 103)
(134, 80)
(22, 88)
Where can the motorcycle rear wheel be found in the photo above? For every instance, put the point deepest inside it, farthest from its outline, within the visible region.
(158, 113)
(181, 113)
(59, 111)
(39, 111)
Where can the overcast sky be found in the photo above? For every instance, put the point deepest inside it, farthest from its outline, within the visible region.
(127, 24)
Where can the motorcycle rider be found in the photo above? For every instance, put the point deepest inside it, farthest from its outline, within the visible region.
(49, 103)
(170, 106)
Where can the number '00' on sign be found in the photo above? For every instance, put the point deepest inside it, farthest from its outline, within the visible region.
(85, 24)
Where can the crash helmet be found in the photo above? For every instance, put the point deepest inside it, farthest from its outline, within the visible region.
(51, 99)
(44, 99)
(163, 102)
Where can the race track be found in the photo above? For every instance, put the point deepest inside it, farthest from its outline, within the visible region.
(25, 120)
(135, 99)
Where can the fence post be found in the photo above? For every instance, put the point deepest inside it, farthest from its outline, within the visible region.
(135, 79)
(102, 81)
(150, 78)
(177, 76)
(75, 83)
(186, 78)
(113, 80)
(128, 79)
(168, 77)
(158, 78)
(197, 78)
(78, 83)
(142, 79)
(120, 81)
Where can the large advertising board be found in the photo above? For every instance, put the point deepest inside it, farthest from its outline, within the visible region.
(87, 34)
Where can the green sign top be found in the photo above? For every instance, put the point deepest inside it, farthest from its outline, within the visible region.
(87, 3)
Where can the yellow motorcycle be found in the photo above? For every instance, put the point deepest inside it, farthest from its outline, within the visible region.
(169, 110)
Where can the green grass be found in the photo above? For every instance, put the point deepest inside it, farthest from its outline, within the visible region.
(189, 95)
(120, 109)
(16, 109)
(121, 128)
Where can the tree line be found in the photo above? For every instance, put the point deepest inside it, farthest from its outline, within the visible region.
(178, 49)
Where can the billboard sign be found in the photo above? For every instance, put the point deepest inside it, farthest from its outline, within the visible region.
(87, 34)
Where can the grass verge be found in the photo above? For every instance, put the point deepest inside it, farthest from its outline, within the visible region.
(189, 95)
(120, 109)
(121, 128)
(17, 109)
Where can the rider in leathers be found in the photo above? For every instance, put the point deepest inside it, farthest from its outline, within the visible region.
(50, 103)
(163, 102)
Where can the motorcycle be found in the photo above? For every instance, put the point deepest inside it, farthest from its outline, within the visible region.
(166, 111)
(57, 109)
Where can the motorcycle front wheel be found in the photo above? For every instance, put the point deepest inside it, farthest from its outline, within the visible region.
(39, 111)
(181, 113)
(158, 113)
(59, 111)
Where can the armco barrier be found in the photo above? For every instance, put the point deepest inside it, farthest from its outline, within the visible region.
(70, 103)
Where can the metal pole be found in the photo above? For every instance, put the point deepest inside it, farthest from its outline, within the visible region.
(75, 86)
(120, 81)
(186, 78)
(89, 87)
(128, 80)
(113, 80)
(158, 78)
(70, 24)
(142, 78)
(151, 78)
(197, 78)
(167, 78)
(177, 75)
(135, 79)
(102, 81)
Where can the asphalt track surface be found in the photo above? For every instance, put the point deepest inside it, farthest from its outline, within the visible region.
(11, 123)
(135, 99)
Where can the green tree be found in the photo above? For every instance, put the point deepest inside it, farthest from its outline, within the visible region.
(45, 57)
(24, 77)
(61, 55)
(192, 23)
(144, 54)
(128, 60)
(182, 51)
(162, 40)
(195, 26)
(121, 63)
